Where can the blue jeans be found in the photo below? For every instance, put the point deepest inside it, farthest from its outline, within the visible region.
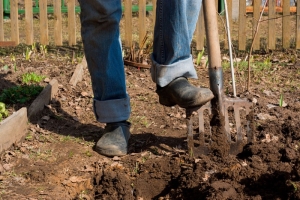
(171, 57)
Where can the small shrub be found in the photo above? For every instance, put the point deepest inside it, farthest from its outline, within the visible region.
(20, 94)
(31, 78)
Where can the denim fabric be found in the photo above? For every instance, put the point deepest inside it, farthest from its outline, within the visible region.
(101, 38)
(173, 32)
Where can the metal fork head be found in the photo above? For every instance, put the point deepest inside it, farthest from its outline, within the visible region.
(237, 129)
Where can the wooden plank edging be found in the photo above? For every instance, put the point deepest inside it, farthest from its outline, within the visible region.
(13, 129)
(43, 99)
(78, 73)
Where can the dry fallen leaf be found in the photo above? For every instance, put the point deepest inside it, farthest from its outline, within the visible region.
(75, 179)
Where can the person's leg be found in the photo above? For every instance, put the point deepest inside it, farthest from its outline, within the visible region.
(100, 35)
(171, 58)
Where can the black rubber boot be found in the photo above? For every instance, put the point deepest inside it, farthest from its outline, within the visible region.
(181, 92)
(115, 140)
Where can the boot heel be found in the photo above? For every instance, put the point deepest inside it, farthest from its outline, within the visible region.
(166, 102)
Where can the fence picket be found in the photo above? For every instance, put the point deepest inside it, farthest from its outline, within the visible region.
(154, 11)
(256, 15)
(229, 8)
(142, 21)
(43, 22)
(57, 23)
(242, 25)
(1, 21)
(200, 31)
(128, 22)
(298, 27)
(286, 25)
(199, 36)
(14, 21)
(71, 22)
(272, 25)
(29, 22)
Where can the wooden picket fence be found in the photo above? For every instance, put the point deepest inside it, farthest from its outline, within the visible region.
(242, 30)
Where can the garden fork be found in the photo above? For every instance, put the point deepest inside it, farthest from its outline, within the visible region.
(221, 106)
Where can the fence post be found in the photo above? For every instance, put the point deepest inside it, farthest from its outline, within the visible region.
(286, 25)
(128, 22)
(298, 27)
(200, 31)
(43, 22)
(256, 14)
(229, 8)
(154, 11)
(71, 22)
(1, 21)
(242, 25)
(142, 21)
(57, 23)
(14, 21)
(272, 24)
(29, 22)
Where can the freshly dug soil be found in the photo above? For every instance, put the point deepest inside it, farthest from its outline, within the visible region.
(57, 161)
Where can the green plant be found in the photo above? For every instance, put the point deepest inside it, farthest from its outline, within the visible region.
(28, 137)
(43, 49)
(5, 67)
(281, 100)
(32, 77)
(20, 94)
(199, 57)
(33, 47)
(15, 67)
(136, 169)
(88, 153)
(294, 185)
(28, 53)
(3, 111)
(12, 57)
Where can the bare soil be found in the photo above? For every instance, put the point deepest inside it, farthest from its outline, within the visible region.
(57, 161)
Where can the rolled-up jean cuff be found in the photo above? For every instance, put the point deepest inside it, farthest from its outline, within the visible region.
(112, 110)
(162, 75)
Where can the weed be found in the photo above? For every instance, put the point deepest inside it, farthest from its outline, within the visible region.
(12, 57)
(33, 48)
(65, 138)
(294, 186)
(28, 53)
(43, 49)
(28, 137)
(281, 100)
(136, 169)
(32, 78)
(11, 173)
(5, 68)
(83, 195)
(199, 57)
(71, 154)
(20, 94)
(3, 111)
(262, 66)
(141, 120)
(15, 67)
(88, 153)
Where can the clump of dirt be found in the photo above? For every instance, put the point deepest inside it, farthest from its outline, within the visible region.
(220, 146)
